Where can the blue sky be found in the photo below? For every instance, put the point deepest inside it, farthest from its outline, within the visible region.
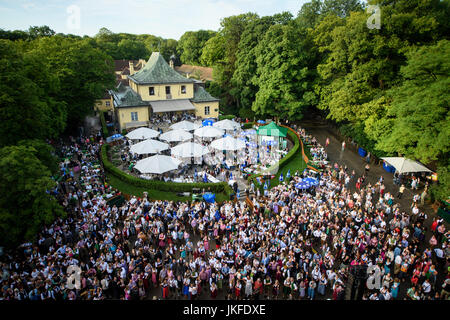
(165, 18)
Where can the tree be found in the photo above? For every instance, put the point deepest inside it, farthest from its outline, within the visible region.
(417, 123)
(245, 78)
(25, 205)
(27, 107)
(132, 49)
(42, 31)
(284, 77)
(83, 72)
(191, 44)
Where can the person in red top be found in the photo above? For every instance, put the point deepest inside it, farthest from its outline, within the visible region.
(258, 288)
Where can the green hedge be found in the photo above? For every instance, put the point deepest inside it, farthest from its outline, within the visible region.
(160, 185)
(227, 116)
(291, 136)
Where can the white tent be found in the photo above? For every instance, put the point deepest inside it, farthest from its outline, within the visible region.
(142, 133)
(149, 146)
(403, 165)
(176, 135)
(157, 164)
(228, 143)
(189, 149)
(227, 125)
(208, 132)
(184, 125)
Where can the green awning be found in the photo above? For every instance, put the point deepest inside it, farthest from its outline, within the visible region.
(273, 130)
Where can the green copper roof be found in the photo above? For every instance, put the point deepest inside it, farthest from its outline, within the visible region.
(157, 71)
(201, 95)
(126, 97)
(272, 130)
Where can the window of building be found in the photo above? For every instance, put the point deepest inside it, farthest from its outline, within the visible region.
(134, 116)
(108, 103)
(207, 110)
(167, 89)
(151, 91)
(183, 89)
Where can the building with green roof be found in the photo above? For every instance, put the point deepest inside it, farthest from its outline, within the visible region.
(156, 89)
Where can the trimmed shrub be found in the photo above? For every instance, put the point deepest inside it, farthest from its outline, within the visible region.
(227, 116)
(159, 185)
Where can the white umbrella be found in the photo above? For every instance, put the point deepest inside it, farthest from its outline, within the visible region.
(176, 135)
(189, 149)
(208, 132)
(227, 124)
(228, 143)
(142, 133)
(149, 146)
(403, 165)
(157, 164)
(184, 125)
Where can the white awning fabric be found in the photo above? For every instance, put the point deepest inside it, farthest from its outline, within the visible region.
(172, 105)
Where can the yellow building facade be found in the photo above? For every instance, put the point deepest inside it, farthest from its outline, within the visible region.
(158, 89)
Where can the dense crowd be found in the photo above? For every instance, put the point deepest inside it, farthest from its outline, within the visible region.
(292, 244)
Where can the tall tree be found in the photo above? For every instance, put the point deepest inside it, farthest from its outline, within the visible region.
(191, 44)
(27, 107)
(284, 76)
(25, 204)
(417, 123)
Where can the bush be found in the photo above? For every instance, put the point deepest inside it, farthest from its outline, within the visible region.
(159, 185)
(227, 116)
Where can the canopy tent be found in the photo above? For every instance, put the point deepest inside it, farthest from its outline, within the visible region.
(272, 129)
(149, 146)
(188, 150)
(227, 125)
(184, 125)
(208, 132)
(157, 164)
(176, 135)
(403, 165)
(228, 143)
(142, 133)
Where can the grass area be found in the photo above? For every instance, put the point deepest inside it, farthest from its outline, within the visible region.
(295, 164)
(127, 188)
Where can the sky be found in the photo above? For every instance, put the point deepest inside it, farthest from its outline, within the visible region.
(164, 18)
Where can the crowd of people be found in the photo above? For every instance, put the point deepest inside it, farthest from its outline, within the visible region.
(289, 244)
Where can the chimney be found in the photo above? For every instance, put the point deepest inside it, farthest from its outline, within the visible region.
(131, 63)
(171, 63)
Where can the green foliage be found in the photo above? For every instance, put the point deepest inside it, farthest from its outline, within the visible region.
(25, 206)
(158, 185)
(191, 44)
(227, 116)
(28, 106)
(441, 191)
(417, 124)
(44, 152)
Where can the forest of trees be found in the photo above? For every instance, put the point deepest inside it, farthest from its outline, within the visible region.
(387, 88)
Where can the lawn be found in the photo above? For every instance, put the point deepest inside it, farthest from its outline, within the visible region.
(126, 188)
